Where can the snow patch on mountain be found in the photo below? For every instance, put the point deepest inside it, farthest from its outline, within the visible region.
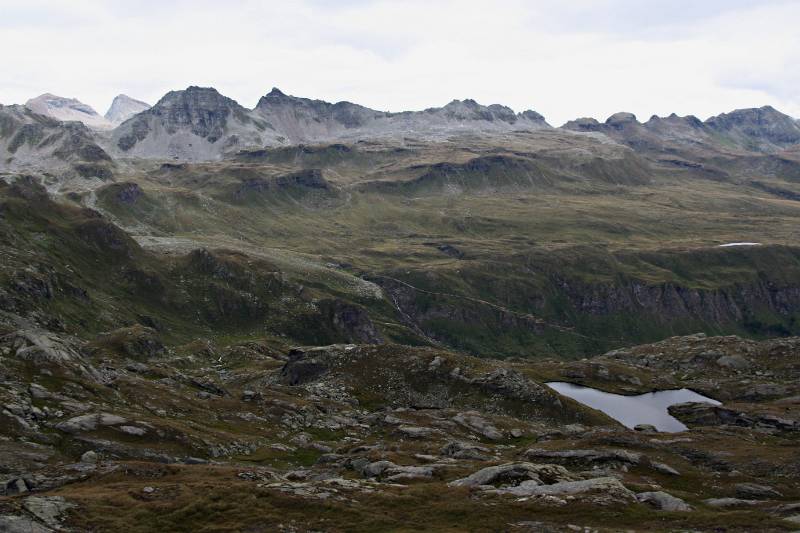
(67, 109)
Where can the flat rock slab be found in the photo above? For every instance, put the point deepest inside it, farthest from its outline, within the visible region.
(729, 502)
(663, 501)
(89, 422)
(514, 472)
(756, 492)
(607, 486)
(21, 524)
(48, 509)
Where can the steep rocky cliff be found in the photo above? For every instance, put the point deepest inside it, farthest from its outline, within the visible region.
(196, 123)
(33, 142)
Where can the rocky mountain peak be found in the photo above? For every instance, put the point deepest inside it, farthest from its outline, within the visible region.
(197, 118)
(196, 97)
(469, 109)
(277, 97)
(275, 93)
(621, 118)
(124, 107)
(530, 114)
(53, 101)
(763, 116)
(67, 109)
(203, 109)
(583, 124)
(761, 128)
(675, 120)
(35, 141)
(306, 120)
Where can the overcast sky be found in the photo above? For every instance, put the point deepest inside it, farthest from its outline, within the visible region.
(564, 59)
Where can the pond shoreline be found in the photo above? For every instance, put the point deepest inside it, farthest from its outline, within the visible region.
(632, 410)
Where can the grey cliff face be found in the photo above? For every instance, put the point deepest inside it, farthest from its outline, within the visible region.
(763, 128)
(203, 111)
(31, 142)
(196, 124)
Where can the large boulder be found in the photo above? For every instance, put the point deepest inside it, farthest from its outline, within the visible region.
(607, 490)
(18, 485)
(755, 491)
(706, 414)
(475, 422)
(465, 450)
(663, 501)
(593, 457)
(514, 473)
(305, 365)
(416, 432)
(351, 321)
(89, 422)
(586, 457)
(377, 468)
(41, 346)
(729, 502)
(137, 342)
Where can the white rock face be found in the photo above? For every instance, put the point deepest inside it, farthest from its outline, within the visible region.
(67, 109)
(124, 107)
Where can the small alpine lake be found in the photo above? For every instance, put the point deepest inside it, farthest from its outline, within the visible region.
(649, 408)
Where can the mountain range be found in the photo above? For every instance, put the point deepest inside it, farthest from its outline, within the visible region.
(200, 124)
(196, 146)
(313, 316)
(69, 109)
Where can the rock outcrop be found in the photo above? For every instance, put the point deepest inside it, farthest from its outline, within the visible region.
(33, 142)
(663, 501)
(704, 414)
(194, 124)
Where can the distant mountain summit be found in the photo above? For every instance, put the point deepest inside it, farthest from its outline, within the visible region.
(197, 123)
(67, 109)
(200, 124)
(31, 141)
(305, 120)
(124, 107)
(764, 128)
(757, 129)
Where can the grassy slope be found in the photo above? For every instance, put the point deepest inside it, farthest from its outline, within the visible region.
(68, 266)
(510, 236)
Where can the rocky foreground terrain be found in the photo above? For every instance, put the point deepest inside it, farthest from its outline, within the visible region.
(310, 316)
(123, 432)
